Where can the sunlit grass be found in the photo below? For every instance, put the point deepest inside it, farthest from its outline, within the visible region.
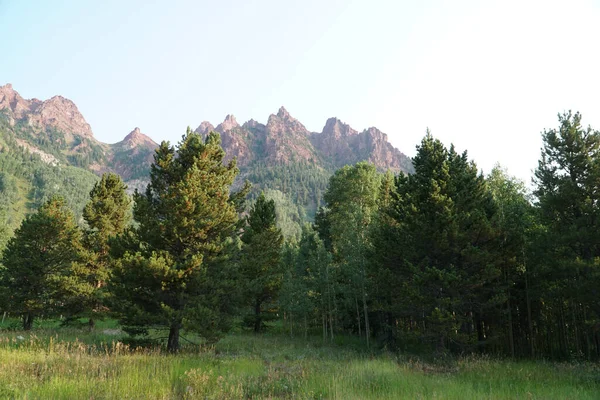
(67, 363)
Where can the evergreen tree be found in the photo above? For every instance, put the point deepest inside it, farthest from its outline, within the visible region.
(107, 215)
(442, 217)
(567, 188)
(175, 274)
(260, 264)
(38, 260)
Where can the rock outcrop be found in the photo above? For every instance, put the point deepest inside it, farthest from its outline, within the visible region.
(284, 140)
(58, 113)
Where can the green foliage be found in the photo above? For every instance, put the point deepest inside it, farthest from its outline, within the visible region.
(26, 182)
(442, 218)
(303, 183)
(352, 201)
(107, 215)
(310, 284)
(290, 216)
(260, 266)
(38, 262)
(567, 272)
(176, 272)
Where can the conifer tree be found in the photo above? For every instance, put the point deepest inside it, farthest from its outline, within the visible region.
(442, 218)
(38, 260)
(175, 273)
(107, 214)
(260, 264)
(567, 188)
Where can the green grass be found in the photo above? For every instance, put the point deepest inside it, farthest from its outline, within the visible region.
(68, 363)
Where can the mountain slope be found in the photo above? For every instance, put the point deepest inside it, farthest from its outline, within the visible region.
(281, 155)
(56, 130)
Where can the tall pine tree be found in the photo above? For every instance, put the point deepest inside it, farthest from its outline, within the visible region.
(107, 215)
(568, 192)
(260, 263)
(176, 274)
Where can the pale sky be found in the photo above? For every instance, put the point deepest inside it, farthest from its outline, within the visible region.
(488, 76)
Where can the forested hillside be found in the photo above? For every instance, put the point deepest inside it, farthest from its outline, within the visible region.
(27, 180)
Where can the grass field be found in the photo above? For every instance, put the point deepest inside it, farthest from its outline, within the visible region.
(68, 363)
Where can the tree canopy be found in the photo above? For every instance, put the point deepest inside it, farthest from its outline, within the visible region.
(174, 275)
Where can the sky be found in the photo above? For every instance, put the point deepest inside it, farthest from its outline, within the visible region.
(488, 76)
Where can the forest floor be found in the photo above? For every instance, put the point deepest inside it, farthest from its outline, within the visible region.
(69, 363)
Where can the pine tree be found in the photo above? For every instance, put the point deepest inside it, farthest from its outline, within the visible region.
(260, 264)
(175, 274)
(567, 188)
(38, 261)
(441, 217)
(107, 215)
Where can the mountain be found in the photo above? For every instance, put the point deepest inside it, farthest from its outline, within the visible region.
(56, 131)
(284, 155)
(47, 147)
(284, 140)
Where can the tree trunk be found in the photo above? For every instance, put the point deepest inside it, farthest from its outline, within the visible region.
(257, 321)
(27, 321)
(91, 324)
(366, 312)
(529, 320)
(331, 326)
(357, 316)
(511, 336)
(576, 331)
(173, 342)
(305, 328)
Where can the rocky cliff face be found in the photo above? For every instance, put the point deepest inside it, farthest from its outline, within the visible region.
(287, 140)
(131, 157)
(234, 139)
(284, 140)
(58, 113)
(336, 141)
(58, 121)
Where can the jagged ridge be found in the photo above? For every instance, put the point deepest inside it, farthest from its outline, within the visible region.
(284, 140)
(280, 154)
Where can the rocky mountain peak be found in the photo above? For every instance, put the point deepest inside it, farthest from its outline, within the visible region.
(252, 124)
(284, 122)
(136, 138)
(337, 129)
(283, 113)
(58, 112)
(376, 134)
(12, 103)
(228, 124)
(204, 128)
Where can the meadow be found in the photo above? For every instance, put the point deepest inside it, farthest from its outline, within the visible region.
(53, 362)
